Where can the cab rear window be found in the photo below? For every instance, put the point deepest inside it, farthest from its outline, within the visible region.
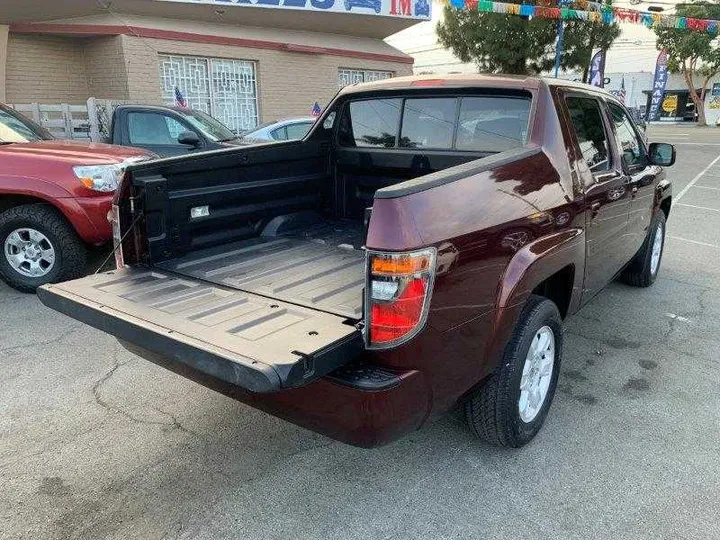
(486, 124)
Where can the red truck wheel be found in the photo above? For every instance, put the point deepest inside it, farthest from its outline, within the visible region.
(511, 405)
(39, 246)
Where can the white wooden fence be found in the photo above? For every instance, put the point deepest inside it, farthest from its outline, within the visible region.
(80, 122)
(63, 121)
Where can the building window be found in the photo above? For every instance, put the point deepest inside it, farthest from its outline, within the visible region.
(225, 89)
(352, 76)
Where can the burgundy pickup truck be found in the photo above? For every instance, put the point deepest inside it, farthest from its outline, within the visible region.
(419, 248)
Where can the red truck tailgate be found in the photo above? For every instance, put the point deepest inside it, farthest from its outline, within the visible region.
(255, 342)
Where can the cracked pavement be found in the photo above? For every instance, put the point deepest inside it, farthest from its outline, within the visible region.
(96, 443)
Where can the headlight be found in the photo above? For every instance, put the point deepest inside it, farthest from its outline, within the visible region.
(99, 177)
(105, 178)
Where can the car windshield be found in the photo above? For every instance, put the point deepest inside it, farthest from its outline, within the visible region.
(210, 127)
(15, 128)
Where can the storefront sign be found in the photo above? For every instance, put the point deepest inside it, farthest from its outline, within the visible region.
(669, 104)
(659, 84)
(412, 9)
(716, 89)
(714, 102)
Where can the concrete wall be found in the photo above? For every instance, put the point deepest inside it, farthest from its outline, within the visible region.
(50, 69)
(105, 68)
(45, 69)
(288, 83)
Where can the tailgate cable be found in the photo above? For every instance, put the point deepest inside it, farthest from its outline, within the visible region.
(120, 243)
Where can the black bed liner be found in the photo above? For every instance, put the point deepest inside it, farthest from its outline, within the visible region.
(258, 343)
(309, 269)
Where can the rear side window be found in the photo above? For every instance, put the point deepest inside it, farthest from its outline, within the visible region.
(371, 123)
(587, 121)
(493, 124)
(483, 124)
(428, 123)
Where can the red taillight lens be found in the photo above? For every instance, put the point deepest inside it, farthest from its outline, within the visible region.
(398, 296)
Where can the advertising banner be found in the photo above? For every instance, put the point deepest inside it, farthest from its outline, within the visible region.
(659, 84)
(411, 9)
(597, 69)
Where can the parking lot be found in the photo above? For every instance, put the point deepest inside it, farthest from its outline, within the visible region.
(97, 443)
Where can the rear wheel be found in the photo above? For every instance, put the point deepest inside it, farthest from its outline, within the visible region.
(38, 246)
(643, 269)
(510, 407)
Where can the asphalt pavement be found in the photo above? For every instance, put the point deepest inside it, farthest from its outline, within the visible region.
(96, 443)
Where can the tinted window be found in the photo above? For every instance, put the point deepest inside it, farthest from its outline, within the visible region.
(587, 121)
(153, 129)
(629, 145)
(428, 123)
(211, 127)
(371, 123)
(298, 131)
(492, 124)
(16, 128)
(279, 134)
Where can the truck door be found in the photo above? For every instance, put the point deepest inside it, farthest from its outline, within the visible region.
(607, 198)
(641, 177)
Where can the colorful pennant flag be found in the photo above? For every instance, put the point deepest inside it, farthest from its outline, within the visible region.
(590, 11)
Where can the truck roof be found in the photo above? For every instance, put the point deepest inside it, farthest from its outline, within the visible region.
(516, 82)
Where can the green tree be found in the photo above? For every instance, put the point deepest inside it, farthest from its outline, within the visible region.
(581, 39)
(499, 43)
(693, 54)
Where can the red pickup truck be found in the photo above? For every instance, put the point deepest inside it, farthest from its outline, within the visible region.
(54, 200)
(419, 248)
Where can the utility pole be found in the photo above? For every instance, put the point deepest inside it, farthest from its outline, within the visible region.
(560, 34)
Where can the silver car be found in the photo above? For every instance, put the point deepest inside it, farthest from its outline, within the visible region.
(281, 130)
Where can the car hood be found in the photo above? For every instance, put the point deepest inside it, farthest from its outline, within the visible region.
(73, 152)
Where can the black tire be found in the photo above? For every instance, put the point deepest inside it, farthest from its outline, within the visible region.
(70, 252)
(492, 410)
(639, 272)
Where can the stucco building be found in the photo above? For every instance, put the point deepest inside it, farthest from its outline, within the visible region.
(244, 61)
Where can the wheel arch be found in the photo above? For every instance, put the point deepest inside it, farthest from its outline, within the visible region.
(552, 267)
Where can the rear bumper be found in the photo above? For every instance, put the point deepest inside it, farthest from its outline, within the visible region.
(343, 411)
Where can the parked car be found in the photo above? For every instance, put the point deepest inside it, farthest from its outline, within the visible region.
(281, 130)
(421, 247)
(54, 200)
(169, 131)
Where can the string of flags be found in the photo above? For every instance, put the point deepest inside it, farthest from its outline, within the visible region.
(593, 12)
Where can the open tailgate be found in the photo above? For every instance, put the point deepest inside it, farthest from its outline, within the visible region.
(258, 343)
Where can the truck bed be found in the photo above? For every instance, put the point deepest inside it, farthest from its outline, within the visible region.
(320, 268)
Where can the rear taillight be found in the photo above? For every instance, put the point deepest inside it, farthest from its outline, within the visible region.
(397, 296)
(114, 217)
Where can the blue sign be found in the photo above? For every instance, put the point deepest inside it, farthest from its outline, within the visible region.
(659, 84)
(409, 9)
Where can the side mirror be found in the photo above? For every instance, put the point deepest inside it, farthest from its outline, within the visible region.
(662, 154)
(189, 138)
